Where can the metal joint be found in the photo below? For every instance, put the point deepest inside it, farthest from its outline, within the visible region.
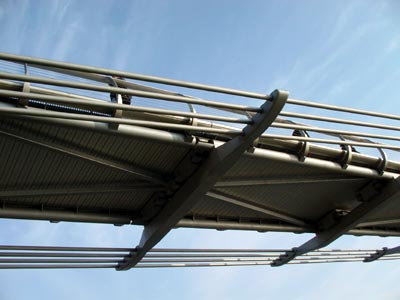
(115, 98)
(382, 162)
(378, 254)
(347, 156)
(304, 148)
(285, 258)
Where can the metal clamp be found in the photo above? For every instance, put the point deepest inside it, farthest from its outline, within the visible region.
(348, 154)
(25, 89)
(115, 98)
(304, 146)
(378, 254)
(382, 162)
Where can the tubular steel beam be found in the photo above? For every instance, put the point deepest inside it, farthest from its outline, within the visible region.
(92, 189)
(82, 68)
(204, 178)
(57, 215)
(269, 213)
(373, 196)
(106, 89)
(240, 182)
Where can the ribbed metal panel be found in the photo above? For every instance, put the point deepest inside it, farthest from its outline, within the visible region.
(307, 201)
(256, 167)
(153, 156)
(210, 207)
(132, 200)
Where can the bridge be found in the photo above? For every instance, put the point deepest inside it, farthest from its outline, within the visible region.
(89, 144)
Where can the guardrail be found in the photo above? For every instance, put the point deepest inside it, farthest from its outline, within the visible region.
(50, 257)
(78, 92)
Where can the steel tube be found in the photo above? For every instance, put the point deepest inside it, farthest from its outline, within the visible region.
(336, 142)
(336, 120)
(59, 254)
(137, 132)
(64, 266)
(335, 131)
(124, 107)
(321, 164)
(62, 248)
(116, 90)
(154, 261)
(83, 68)
(180, 250)
(81, 117)
(209, 255)
(65, 216)
(56, 261)
(343, 109)
(225, 225)
(224, 264)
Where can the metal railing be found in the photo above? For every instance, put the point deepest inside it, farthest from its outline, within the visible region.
(57, 85)
(45, 257)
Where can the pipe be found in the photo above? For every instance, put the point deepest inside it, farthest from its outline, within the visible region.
(116, 90)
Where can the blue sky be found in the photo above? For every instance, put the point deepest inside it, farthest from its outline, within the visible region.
(336, 52)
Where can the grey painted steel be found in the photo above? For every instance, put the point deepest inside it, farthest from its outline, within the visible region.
(56, 261)
(62, 248)
(336, 120)
(94, 189)
(59, 254)
(115, 120)
(98, 88)
(281, 181)
(342, 109)
(61, 266)
(336, 142)
(65, 215)
(124, 107)
(381, 253)
(141, 173)
(82, 68)
(51, 114)
(352, 170)
(266, 211)
(211, 170)
(373, 199)
(231, 225)
(346, 133)
(265, 227)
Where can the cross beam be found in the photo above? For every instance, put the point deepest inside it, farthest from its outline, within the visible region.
(379, 253)
(218, 162)
(374, 196)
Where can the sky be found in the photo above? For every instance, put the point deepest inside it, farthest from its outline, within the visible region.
(336, 52)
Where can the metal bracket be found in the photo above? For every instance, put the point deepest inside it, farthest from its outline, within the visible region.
(378, 254)
(382, 162)
(23, 102)
(304, 146)
(192, 189)
(116, 98)
(375, 197)
(348, 154)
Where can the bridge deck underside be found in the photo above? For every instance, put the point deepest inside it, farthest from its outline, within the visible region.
(56, 172)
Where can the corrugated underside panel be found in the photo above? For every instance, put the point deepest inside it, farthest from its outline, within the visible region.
(256, 167)
(132, 200)
(148, 155)
(27, 166)
(308, 201)
(210, 207)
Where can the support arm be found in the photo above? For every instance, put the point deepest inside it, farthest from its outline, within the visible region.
(374, 196)
(219, 161)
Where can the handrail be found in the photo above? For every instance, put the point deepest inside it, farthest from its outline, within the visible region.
(154, 117)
